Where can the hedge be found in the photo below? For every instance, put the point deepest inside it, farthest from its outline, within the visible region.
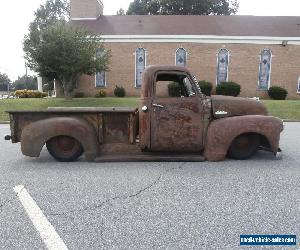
(228, 89)
(206, 87)
(277, 93)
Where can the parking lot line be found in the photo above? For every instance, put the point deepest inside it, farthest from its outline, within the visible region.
(48, 234)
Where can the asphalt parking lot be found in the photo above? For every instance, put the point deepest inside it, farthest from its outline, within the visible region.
(152, 205)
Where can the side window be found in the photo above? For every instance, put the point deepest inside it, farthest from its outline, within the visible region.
(264, 69)
(298, 88)
(181, 57)
(222, 66)
(100, 77)
(140, 65)
(173, 85)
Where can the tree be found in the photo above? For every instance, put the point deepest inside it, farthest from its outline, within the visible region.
(50, 13)
(4, 81)
(121, 12)
(183, 7)
(65, 53)
(67, 57)
(25, 82)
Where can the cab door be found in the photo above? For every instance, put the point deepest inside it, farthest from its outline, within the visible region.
(176, 115)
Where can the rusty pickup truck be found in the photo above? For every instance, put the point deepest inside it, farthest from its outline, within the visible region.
(189, 126)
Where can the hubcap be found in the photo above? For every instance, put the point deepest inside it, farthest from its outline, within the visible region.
(65, 144)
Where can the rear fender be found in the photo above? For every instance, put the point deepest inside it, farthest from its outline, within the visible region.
(35, 135)
(222, 132)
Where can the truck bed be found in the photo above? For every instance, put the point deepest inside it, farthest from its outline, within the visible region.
(113, 125)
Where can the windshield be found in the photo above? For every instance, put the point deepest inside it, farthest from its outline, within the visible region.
(197, 84)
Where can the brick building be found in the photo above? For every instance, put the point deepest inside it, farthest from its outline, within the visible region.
(254, 51)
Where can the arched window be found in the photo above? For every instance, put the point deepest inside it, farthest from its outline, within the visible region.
(140, 65)
(100, 79)
(264, 78)
(222, 66)
(181, 57)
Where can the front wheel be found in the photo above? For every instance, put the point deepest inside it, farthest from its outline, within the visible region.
(244, 146)
(64, 148)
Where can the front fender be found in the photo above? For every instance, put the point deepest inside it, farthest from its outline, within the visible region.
(222, 132)
(35, 135)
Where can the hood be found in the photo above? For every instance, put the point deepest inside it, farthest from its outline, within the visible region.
(226, 106)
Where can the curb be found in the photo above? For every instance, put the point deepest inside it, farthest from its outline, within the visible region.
(291, 120)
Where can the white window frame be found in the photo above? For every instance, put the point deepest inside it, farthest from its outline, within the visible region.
(298, 86)
(227, 75)
(186, 56)
(104, 81)
(135, 66)
(270, 72)
(100, 72)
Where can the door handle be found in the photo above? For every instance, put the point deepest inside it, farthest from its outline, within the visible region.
(145, 109)
(157, 105)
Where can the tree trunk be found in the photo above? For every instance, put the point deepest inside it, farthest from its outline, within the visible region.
(67, 90)
(68, 96)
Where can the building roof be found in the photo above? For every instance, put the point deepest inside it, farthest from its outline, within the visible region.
(267, 26)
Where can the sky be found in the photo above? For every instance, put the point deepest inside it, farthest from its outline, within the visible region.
(17, 14)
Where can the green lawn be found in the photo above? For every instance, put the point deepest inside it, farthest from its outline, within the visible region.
(289, 110)
(42, 104)
(282, 109)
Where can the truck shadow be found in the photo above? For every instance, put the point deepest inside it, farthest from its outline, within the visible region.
(46, 158)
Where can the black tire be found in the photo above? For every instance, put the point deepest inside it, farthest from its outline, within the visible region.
(244, 146)
(64, 148)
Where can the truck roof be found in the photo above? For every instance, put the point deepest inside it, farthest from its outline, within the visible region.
(149, 73)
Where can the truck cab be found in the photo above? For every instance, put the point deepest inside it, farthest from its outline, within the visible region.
(188, 121)
(172, 121)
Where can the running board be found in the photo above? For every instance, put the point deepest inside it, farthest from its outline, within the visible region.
(150, 158)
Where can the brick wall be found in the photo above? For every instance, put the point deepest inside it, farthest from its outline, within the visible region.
(202, 61)
(86, 9)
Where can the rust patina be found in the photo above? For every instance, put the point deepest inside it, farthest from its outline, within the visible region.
(162, 128)
(237, 106)
(221, 133)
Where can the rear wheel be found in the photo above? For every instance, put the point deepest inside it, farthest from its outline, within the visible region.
(64, 148)
(244, 146)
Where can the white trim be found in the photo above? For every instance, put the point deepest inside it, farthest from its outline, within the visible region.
(269, 81)
(227, 76)
(186, 56)
(104, 81)
(135, 85)
(199, 39)
(83, 18)
(298, 86)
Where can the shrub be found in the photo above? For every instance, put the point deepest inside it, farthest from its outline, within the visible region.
(206, 87)
(277, 93)
(100, 94)
(29, 94)
(228, 88)
(119, 91)
(20, 94)
(79, 95)
(174, 89)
